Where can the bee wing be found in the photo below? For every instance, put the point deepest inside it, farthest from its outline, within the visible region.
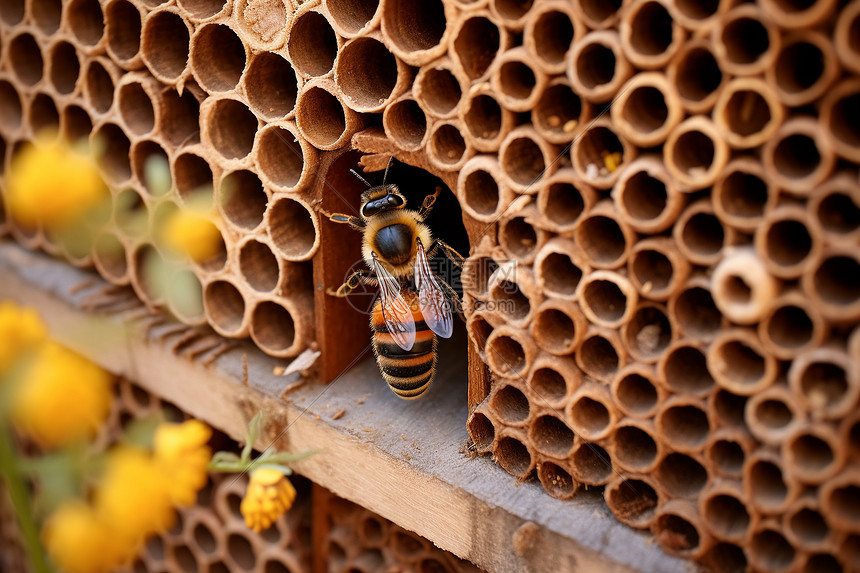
(434, 305)
(395, 310)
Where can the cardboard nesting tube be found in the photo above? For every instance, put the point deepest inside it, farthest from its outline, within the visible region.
(601, 354)
(650, 36)
(726, 450)
(559, 269)
(526, 159)
(514, 293)
(99, 77)
(439, 87)
(218, 57)
(649, 332)
(482, 190)
(263, 24)
(769, 550)
(748, 113)
(773, 414)
(742, 286)
(633, 446)
(351, 18)
(555, 479)
(480, 325)
(446, 147)
(724, 512)
(647, 109)
(562, 199)
(144, 262)
(633, 499)
(512, 451)
(549, 30)
(683, 369)
(792, 14)
(836, 206)
(825, 382)
(110, 259)
(138, 103)
(405, 123)
(519, 236)
(789, 241)
(597, 14)
(229, 127)
(646, 197)
(226, 308)
(594, 154)
(700, 235)
(604, 237)
(558, 327)
(482, 428)
(517, 83)
(635, 392)
(800, 156)
(796, 88)
(727, 409)
(312, 45)
(487, 123)
(697, 16)
(477, 272)
(85, 20)
(165, 44)
(837, 498)
(271, 85)
(42, 115)
(607, 298)
(681, 476)
(241, 199)
(113, 157)
(560, 114)
(11, 108)
(259, 266)
(283, 327)
(590, 464)
(508, 403)
(286, 161)
(813, 454)
(805, 526)
(696, 75)
(416, 31)
(657, 268)
(293, 227)
(368, 75)
(682, 424)
(512, 15)
(24, 56)
(552, 380)
(695, 153)
(551, 436)
(477, 40)
(743, 194)
(202, 11)
(847, 48)
(739, 363)
(838, 116)
(597, 66)
(832, 284)
(745, 41)
(131, 213)
(510, 351)
(680, 530)
(178, 119)
(184, 295)
(63, 68)
(323, 117)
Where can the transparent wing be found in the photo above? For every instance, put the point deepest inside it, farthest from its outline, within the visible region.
(434, 305)
(395, 311)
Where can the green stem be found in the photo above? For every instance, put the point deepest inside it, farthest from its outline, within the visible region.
(21, 502)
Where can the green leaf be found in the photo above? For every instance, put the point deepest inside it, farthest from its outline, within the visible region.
(253, 432)
(286, 457)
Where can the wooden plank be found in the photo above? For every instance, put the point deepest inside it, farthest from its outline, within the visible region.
(406, 461)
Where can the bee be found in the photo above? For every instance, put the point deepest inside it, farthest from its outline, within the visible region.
(414, 305)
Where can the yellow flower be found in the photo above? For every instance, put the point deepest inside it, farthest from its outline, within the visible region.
(78, 540)
(51, 184)
(21, 330)
(182, 454)
(269, 495)
(134, 497)
(61, 398)
(191, 234)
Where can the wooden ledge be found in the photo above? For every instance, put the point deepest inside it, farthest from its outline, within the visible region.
(403, 460)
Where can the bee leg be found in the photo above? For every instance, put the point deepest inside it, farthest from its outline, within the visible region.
(356, 223)
(427, 205)
(449, 251)
(352, 283)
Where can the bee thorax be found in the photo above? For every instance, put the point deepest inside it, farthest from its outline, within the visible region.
(394, 243)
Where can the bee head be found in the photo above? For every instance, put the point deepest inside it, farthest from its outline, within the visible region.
(380, 199)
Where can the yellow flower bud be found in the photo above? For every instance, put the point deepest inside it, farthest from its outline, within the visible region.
(61, 398)
(191, 234)
(21, 330)
(269, 495)
(182, 454)
(78, 540)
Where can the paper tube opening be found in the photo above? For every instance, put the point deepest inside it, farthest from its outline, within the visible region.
(47, 14)
(598, 355)
(481, 431)
(744, 42)
(560, 113)
(510, 405)
(414, 28)
(548, 382)
(218, 57)
(352, 16)
(135, 108)
(488, 123)
(281, 156)
(178, 121)
(98, 86)
(835, 285)
(556, 481)
(438, 89)
(681, 476)
(259, 266)
(589, 412)
(599, 13)
(633, 501)
(513, 456)
(517, 83)
(202, 9)
(684, 369)
(840, 117)
(123, 26)
(607, 298)
(273, 328)
(728, 408)
(476, 45)
(836, 207)
(766, 485)
(43, 116)
(271, 86)
(479, 189)
(841, 501)
(742, 195)
(804, 68)
(559, 275)
(700, 234)
(591, 464)
(130, 213)
(771, 551)
(242, 200)
(549, 34)
(225, 307)
(726, 515)
(557, 329)
(826, 382)
(322, 117)
(748, 113)
(594, 154)
(165, 44)
(447, 148)
(11, 110)
(25, 56)
(726, 457)
(650, 34)
(191, 174)
(114, 155)
(697, 77)
(683, 426)
(738, 363)
(512, 301)
(367, 74)
(696, 313)
(86, 21)
(109, 257)
(595, 61)
(648, 333)
(12, 12)
(635, 392)
(814, 454)
(64, 67)
(142, 154)
(551, 436)
(634, 448)
(293, 230)
(405, 123)
(603, 241)
(508, 355)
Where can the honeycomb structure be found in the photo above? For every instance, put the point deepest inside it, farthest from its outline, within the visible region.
(663, 197)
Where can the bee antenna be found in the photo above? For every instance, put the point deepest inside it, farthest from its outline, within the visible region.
(362, 179)
(387, 167)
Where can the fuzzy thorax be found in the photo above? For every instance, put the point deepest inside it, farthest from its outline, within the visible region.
(404, 217)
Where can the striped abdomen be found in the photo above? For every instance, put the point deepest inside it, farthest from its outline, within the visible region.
(407, 372)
